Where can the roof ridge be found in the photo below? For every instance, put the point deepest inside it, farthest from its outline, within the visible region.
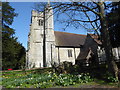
(71, 33)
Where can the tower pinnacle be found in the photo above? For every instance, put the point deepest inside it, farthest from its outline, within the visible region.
(49, 2)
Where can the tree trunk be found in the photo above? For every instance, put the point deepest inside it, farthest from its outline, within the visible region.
(112, 66)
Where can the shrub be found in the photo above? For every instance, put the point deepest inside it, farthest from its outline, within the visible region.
(110, 77)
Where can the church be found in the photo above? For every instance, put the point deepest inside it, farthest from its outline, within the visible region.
(46, 46)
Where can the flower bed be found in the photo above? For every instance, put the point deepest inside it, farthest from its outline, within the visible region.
(42, 80)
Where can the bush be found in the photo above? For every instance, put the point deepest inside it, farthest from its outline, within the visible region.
(64, 67)
(110, 77)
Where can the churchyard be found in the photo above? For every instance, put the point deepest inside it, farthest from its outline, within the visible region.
(43, 46)
(48, 78)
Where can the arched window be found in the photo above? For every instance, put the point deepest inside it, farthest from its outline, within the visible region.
(40, 22)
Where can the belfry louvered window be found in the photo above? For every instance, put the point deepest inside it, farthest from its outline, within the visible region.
(69, 53)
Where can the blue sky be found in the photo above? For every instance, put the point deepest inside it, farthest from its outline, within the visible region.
(22, 21)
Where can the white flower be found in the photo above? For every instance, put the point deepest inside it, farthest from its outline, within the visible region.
(49, 75)
(60, 74)
(65, 78)
(79, 76)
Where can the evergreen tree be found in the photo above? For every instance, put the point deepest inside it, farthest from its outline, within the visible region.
(13, 53)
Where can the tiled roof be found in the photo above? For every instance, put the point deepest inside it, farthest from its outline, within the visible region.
(69, 39)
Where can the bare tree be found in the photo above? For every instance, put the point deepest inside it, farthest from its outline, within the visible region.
(91, 16)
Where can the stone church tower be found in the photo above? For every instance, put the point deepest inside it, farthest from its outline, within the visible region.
(41, 39)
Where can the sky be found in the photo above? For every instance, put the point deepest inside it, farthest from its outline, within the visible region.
(22, 22)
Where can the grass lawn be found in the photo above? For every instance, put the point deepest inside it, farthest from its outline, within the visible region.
(45, 78)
